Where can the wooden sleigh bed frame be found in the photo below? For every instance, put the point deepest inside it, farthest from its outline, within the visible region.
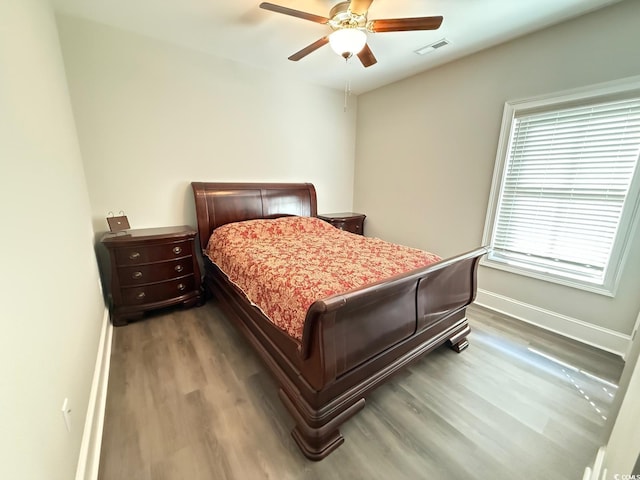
(352, 342)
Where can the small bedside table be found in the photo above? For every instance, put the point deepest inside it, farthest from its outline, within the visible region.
(348, 221)
(152, 268)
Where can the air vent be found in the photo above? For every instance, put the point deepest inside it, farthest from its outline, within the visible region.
(434, 46)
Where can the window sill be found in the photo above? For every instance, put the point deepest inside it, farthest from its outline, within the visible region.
(548, 277)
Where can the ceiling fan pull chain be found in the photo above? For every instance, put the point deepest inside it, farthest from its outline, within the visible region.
(347, 86)
(347, 92)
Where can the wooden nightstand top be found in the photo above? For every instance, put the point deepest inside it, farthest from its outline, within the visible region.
(148, 234)
(344, 216)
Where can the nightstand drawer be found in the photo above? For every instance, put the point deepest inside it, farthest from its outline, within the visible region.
(353, 226)
(158, 291)
(156, 272)
(153, 253)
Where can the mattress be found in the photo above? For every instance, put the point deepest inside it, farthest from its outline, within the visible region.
(284, 265)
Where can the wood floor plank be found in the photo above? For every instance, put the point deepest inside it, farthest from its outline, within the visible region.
(188, 399)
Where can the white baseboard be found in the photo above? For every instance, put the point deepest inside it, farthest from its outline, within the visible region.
(597, 473)
(89, 458)
(599, 337)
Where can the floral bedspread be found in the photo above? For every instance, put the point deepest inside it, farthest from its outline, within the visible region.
(283, 265)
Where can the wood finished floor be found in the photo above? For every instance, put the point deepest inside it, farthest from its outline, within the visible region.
(188, 399)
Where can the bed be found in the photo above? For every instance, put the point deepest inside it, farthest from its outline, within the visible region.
(351, 342)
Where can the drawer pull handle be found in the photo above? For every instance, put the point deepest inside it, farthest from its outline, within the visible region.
(134, 255)
(177, 250)
(179, 268)
(141, 295)
(181, 286)
(136, 275)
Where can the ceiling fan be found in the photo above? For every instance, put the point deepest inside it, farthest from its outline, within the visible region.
(350, 26)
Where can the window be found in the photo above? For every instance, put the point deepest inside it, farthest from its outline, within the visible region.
(566, 189)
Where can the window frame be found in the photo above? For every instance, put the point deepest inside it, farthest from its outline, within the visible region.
(625, 88)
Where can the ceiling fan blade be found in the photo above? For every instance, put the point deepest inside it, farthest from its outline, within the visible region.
(360, 7)
(367, 57)
(309, 49)
(406, 24)
(294, 13)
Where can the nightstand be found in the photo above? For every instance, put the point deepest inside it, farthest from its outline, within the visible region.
(349, 221)
(152, 268)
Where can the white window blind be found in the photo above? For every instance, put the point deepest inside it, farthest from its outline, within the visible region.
(566, 179)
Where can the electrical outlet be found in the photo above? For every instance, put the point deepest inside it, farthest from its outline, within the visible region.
(66, 414)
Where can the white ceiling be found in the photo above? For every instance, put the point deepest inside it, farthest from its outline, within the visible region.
(240, 30)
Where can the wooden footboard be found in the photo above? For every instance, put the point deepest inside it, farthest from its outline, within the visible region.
(363, 323)
(352, 342)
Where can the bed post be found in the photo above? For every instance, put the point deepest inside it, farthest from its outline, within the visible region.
(317, 437)
(459, 341)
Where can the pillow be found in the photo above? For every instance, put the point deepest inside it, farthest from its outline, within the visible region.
(268, 228)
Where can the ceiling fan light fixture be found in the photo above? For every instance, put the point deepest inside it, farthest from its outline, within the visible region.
(347, 41)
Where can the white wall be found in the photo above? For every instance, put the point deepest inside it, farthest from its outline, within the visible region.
(426, 150)
(153, 117)
(51, 306)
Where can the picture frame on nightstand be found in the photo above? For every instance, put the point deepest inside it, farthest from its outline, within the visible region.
(119, 223)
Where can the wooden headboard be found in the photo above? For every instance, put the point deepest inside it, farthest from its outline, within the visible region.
(220, 203)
